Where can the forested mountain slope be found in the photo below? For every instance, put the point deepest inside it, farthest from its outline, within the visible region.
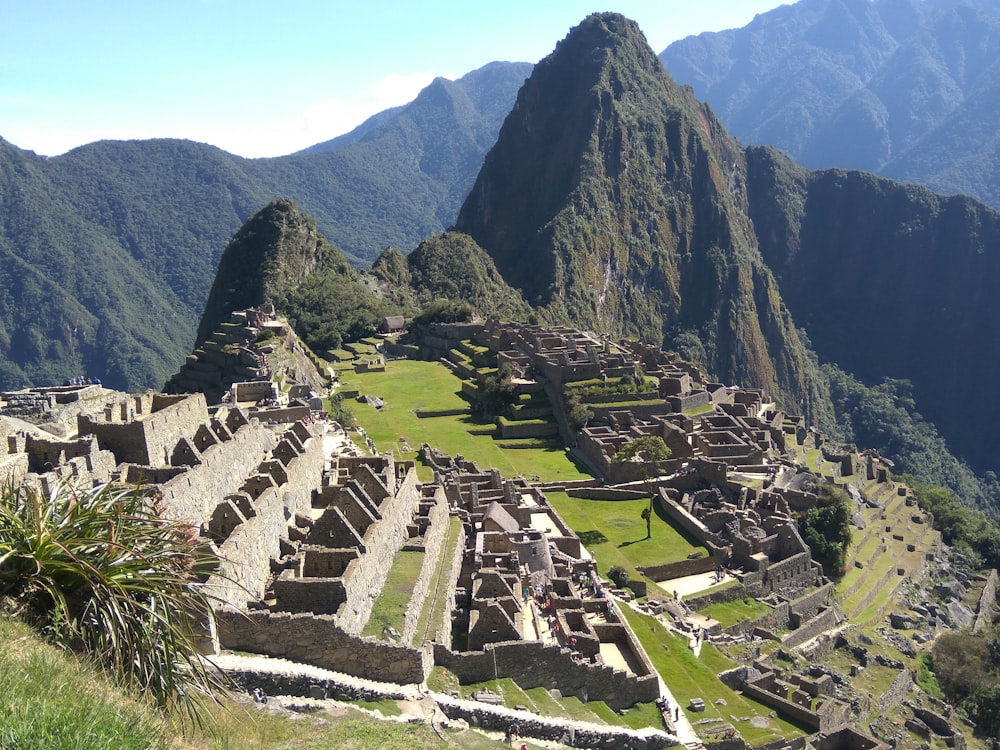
(108, 251)
(909, 89)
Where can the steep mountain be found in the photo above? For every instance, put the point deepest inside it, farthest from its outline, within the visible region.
(272, 254)
(906, 88)
(614, 199)
(891, 281)
(400, 178)
(452, 266)
(77, 298)
(279, 258)
(107, 252)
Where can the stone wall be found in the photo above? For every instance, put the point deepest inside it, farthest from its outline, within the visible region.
(150, 438)
(897, 692)
(532, 664)
(247, 552)
(681, 568)
(383, 540)
(784, 706)
(317, 640)
(193, 495)
(565, 733)
(434, 537)
(685, 520)
(825, 620)
(793, 572)
(721, 596)
(987, 600)
(808, 605)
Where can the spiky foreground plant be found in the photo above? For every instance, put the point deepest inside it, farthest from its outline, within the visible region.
(103, 574)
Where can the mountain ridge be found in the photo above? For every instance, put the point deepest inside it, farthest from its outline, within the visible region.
(615, 200)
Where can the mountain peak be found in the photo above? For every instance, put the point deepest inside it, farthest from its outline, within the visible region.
(271, 253)
(615, 200)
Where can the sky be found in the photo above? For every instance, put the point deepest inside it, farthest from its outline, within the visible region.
(269, 78)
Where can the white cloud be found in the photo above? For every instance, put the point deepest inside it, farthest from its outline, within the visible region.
(271, 130)
(332, 117)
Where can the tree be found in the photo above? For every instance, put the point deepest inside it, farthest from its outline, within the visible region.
(827, 530)
(577, 414)
(647, 516)
(497, 392)
(647, 449)
(618, 576)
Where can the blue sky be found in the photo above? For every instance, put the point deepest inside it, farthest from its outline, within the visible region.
(269, 78)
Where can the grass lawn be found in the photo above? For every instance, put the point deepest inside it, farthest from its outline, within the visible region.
(389, 609)
(408, 385)
(731, 613)
(615, 534)
(539, 700)
(53, 700)
(688, 677)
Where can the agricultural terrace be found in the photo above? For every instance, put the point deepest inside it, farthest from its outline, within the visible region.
(408, 387)
(690, 676)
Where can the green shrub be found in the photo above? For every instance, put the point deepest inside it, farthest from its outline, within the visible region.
(98, 571)
(618, 576)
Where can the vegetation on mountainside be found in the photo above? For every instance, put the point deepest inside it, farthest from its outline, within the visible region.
(333, 307)
(452, 266)
(906, 89)
(964, 528)
(884, 417)
(967, 668)
(445, 311)
(616, 202)
(279, 257)
(101, 573)
(448, 267)
(827, 528)
(889, 280)
(107, 252)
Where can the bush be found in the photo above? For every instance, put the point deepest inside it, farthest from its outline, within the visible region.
(99, 572)
(827, 529)
(618, 576)
(646, 449)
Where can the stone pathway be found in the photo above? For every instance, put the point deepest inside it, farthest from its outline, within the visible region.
(417, 700)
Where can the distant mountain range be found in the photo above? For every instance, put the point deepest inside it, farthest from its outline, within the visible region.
(107, 252)
(909, 89)
(613, 199)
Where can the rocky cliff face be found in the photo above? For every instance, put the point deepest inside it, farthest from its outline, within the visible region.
(890, 280)
(614, 199)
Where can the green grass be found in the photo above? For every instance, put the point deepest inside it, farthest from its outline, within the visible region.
(436, 608)
(389, 609)
(408, 385)
(730, 613)
(385, 707)
(52, 700)
(540, 701)
(614, 532)
(694, 411)
(688, 677)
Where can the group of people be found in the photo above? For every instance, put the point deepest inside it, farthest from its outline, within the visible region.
(664, 705)
(83, 381)
(512, 732)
